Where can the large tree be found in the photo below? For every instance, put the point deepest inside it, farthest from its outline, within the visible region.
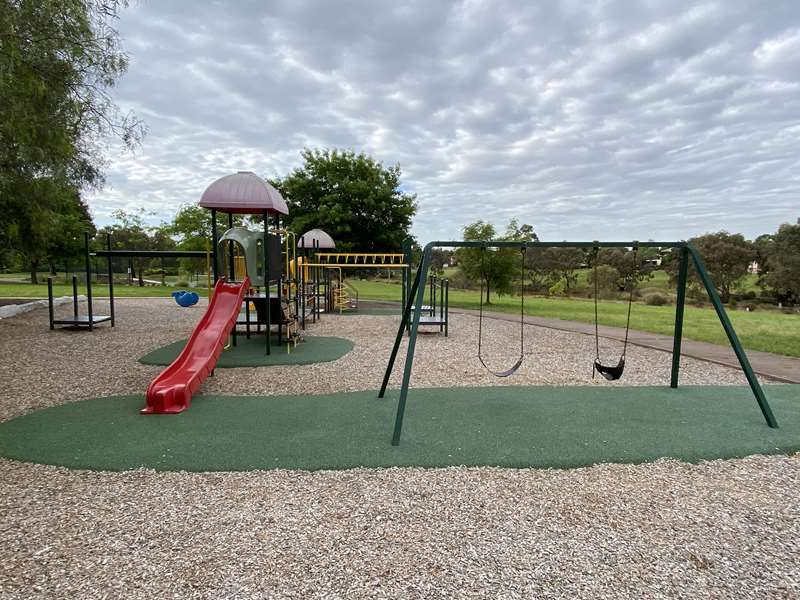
(51, 224)
(783, 262)
(497, 268)
(726, 256)
(353, 197)
(58, 61)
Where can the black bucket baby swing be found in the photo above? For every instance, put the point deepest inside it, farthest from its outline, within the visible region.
(608, 371)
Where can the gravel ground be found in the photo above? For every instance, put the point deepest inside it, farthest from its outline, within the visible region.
(669, 529)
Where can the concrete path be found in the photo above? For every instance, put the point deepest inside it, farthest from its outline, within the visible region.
(775, 366)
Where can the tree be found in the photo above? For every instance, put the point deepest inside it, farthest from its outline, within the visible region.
(353, 197)
(50, 226)
(726, 257)
(496, 267)
(130, 233)
(58, 60)
(191, 228)
(782, 256)
(608, 279)
(553, 265)
(622, 260)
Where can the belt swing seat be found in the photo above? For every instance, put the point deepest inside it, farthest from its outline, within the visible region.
(515, 367)
(612, 372)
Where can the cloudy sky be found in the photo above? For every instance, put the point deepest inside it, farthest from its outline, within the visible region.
(589, 120)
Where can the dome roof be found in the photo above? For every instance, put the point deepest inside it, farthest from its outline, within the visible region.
(315, 238)
(243, 192)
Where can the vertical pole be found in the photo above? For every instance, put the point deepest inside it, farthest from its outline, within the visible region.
(232, 277)
(266, 283)
(214, 267)
(110, 278)
(400, 331)
(441, 305)
(412, 343)
(75, 296)
(302, 277)
(317, 283)
(680, 303)
(446, 305)
(755, 386)
(50, 301)
(88, 280)
(231, 261)
(403, 291)
(247, 318)
(430, 296)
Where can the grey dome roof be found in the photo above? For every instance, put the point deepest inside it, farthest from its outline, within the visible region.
(322, 239)
(243, 192)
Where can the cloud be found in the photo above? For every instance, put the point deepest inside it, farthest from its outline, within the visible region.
(605, 119)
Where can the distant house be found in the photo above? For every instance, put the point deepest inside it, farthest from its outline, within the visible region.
(754, 268)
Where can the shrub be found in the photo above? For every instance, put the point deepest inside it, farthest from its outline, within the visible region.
(558, 289)
(656, 299)
(181, 283)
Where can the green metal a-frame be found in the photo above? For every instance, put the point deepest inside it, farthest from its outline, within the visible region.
(417, 291)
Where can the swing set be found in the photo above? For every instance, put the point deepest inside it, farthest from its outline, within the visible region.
(610, 372)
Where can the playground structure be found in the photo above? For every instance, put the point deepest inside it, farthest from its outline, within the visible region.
(90, 319)
(417, 291)
(240, 193)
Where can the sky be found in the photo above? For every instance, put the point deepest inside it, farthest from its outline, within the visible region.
(587, 119)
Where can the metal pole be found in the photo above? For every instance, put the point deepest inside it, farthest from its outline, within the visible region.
(266, 282)
(110, 279)
(317, 283)
(412, 343)
(680, 303)
(441, 306)
(231, 262)
(75, 296)
(88, 280)
(755, 386)
(232, 277)
(400, 331)
(303, 283)
(214, 267)
(446, 305)
(50, 301)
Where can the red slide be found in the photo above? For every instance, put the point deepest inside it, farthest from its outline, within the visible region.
(171, 391)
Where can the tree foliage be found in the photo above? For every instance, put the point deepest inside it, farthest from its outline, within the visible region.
(129, 232)
(58, 61)
(781, 256)
(551, 266)
(353, 197)
(497, 268)
(726, 256)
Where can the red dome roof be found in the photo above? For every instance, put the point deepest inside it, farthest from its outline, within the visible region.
(243, 192)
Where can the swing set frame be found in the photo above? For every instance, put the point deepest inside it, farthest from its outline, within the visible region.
(686, 250)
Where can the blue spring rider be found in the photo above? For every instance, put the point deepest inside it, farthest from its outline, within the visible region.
(185, 299)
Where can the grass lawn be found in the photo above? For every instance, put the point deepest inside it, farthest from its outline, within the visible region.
(12, 289)
(767, 330)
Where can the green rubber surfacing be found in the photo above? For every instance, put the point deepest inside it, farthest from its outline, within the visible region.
(495, 426)
(252, 352)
